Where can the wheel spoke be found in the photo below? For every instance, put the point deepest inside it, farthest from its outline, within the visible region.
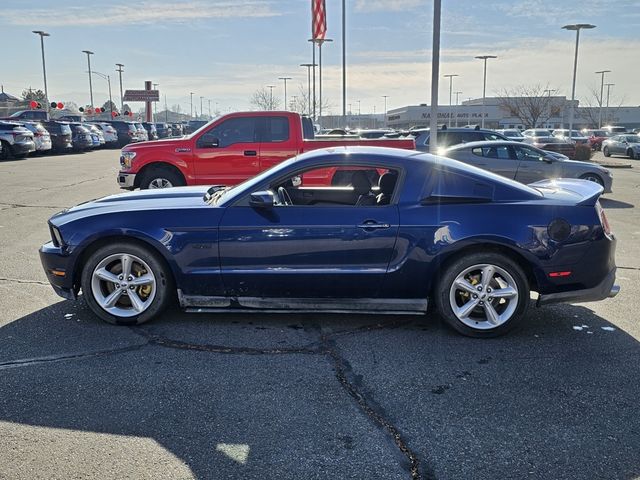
(506, 292)
(137, 303)
(466, 309)
(126, 265)
(492, 315)
(487, 275)
(462, 284)
(111, 299)
(145, 279)
(106, 275)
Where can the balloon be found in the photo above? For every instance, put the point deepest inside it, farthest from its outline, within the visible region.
(60, 105)
(81, 109)
(33, 104)
(53, 104)
(114, 114)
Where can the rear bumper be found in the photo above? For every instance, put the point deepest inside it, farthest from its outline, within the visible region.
(605, 289)
(127, 180)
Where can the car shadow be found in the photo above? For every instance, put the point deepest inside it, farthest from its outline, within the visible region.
(567, 382)
(610, 203)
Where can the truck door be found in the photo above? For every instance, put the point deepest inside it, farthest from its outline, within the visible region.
(277, 140)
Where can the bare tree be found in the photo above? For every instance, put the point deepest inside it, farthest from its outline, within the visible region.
(591, 109)
(529, 104)
(263, 99)
(36, 95)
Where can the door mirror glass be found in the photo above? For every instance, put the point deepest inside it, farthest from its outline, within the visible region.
(264, 199)
(547, 159)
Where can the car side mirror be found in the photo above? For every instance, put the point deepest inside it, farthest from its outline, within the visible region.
(264, 199)
(547, 159)
(208, 142)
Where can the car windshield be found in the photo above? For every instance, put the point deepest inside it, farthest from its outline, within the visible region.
(633, 138)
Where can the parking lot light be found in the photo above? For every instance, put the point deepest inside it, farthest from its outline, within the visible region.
(450, 76)
(484, 83)
(44, 68)
(577, 27)
(600, 100)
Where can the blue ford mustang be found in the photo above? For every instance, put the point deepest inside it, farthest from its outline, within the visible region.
(409, 230)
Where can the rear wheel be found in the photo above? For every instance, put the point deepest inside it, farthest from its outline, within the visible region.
(605, 152)
(5, 154)
(483, 295)
(592, 177)
(161, 178)
(631, 154)
(126, 284)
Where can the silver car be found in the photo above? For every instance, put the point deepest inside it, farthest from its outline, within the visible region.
(628, 145)
(526, 163)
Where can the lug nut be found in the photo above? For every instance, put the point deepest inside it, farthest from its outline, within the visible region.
(488, 290)
(120, 277)
(480, 289)
(475, 296)
(132, 287)
(481, 303)
(490, 298)
(129, 278)
(117, 285)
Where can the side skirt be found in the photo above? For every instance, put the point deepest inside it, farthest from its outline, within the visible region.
(395, 306)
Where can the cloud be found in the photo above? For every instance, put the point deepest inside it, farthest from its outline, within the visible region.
(146, 12)
(386, 5)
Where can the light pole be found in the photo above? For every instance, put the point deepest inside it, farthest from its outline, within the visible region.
(155, 103)
(435, 77)
(386, 124)
(313, 64)
(191, 112)
(201, 97)
(549, 91)
(285, 89)
(44, 68)
(484, 83)
(309, 66)
(320, 42)
(606, 113)
(89, 53)
(270, 87)
(450, 77)
(120, 70)
(209, 107)
(358, 109)
(577, 27)
(108, 79)
(600, 100)
(344, 64)
(456, 114)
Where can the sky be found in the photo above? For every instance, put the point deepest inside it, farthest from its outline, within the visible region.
(225, 50)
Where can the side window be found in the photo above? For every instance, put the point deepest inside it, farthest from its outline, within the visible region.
(527, 154)
(500, 151)
(492, 136)
(233, 130)
(276, 129)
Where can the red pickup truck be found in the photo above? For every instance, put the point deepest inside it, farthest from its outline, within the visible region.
(229, 150)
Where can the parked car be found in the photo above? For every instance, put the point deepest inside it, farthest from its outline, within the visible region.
(526, 163)
(29, 115)
(177, 130)
(81, 139)
(472, 242)
(543, 140)
(41, 136)
(96, 135)
(596, 137)
(150, 128)
(108, 132)
(163, 130)
(142, 135)
(16, 140)
(371, 133)
(193, 125)
(615, 129)
(453, 136)
(512, 134)
(628, 145)
(127, 131)
(61, 135)
(575, 137)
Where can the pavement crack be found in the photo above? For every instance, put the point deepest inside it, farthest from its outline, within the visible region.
(28, 362)
(161, 341)
(23, 205)
(72, 184)
(628, 268)
(389, 325)
(343, 370)
(19, 280)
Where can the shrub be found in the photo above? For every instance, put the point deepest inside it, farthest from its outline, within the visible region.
(583, 152)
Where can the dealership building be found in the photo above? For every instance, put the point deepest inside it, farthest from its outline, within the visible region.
(471, 112)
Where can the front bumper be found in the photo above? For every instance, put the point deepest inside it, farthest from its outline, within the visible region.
(56, 259)
(127, 180)
(605, 289)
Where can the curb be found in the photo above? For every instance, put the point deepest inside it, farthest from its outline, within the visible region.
(614, 165)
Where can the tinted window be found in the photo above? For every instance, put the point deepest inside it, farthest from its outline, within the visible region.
(276, 129)
(493, 136)
(233, 130)
(500, 151)
(65, 129)
(527, 154)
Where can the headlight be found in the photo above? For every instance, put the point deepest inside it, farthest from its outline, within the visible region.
(56, 237)
(126, 159)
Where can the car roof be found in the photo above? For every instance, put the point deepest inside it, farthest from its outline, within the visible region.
(485, 143)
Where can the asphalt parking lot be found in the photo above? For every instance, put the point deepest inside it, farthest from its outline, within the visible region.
(303, 396)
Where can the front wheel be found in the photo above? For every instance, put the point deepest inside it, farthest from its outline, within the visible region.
(605, 152)
(631, 154)
(483, 295)
(126, 284)
(592, 177)
(161, 178)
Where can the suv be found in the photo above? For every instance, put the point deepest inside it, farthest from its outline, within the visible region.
(127, 132)
(152, 132)
(33, 115)
(61, 135)
(448, 137)
(17, 141)
(163, 130)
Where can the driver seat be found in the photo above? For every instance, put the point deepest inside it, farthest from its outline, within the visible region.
(362, 188)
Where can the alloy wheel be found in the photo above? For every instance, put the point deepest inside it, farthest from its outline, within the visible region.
(160, 183)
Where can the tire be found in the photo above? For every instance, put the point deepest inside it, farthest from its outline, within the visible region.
(160, 177)
(593, 177)
(630, 154)
(605, 152)
(507, 310)
(150, 284)
(6, 152)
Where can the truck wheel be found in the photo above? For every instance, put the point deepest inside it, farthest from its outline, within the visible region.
(161, 178)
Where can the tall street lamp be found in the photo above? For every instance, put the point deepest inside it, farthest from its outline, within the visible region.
(320, 42)
(309, 66)
(285, 89)
(201, 111)
(385, 109)
(120, 70)
(108, 79)
(577, 27)
(435, 77)
(271, 87)
(484, 83)
(191, 112)
(600, 100)
(606, 113)
(456, 113)
(89, 53)
(44, 68)
(450, 77)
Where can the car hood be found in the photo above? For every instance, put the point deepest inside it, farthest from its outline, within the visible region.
(578, 163)
(143, 200)
(163, 143)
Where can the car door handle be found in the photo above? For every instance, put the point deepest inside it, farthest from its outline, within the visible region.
(250, 153)
(371, 225)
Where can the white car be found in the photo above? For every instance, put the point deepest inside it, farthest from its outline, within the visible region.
(41, 136)
(110, 134)
(576, 136)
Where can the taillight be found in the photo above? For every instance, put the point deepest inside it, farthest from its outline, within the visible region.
(603, 220)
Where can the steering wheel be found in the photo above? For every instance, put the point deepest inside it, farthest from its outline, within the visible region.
(284, 197)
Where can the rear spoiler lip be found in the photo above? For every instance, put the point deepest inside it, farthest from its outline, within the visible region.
(588, 190)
